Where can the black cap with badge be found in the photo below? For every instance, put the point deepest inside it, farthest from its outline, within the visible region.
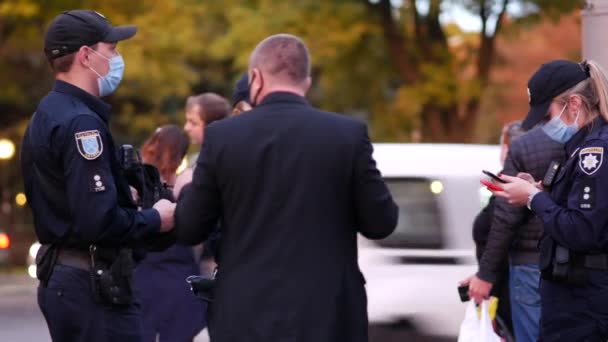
(551, 80)
(72, 29)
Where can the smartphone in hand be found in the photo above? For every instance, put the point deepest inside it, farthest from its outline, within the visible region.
(493, 176)
(491, 186)
(463, 292)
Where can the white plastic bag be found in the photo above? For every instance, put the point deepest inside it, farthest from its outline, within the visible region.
(474, 329)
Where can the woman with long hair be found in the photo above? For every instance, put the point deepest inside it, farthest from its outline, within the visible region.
(169, 309)
(570, 101)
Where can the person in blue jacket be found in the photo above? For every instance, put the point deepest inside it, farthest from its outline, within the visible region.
(570, 100)
(169, 309)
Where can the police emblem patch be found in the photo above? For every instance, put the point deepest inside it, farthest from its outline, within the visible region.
(89, 144)
(590, 159)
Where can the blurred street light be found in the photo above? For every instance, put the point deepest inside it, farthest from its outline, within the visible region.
(436, 187)
(5, 242)
(21, 199)
(7, 149)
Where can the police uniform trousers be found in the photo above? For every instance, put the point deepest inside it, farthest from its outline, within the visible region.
(72, 314)
(570, 313)
(169, 308)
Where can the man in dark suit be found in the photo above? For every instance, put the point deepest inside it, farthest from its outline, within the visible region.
(292, 186)
(515, 233)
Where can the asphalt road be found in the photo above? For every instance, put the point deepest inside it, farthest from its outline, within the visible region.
(21, 320)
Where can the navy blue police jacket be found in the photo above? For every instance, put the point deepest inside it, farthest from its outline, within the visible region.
(73, 179)
(575, 215)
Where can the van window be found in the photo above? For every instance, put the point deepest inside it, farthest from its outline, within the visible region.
(419, 223)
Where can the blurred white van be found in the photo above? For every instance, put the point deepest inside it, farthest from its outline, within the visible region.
(412, 276)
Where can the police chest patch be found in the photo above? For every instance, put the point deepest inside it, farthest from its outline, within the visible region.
(89, 144)
(590, 159)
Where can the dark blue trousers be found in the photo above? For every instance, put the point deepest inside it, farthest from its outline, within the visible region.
(169, 309)
(72, 314)
(573, 313)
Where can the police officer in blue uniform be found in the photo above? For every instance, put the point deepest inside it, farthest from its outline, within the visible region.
(570, 100)
(84, 214)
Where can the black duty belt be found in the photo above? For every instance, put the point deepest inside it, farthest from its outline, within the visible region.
(74, 258)
(596, 261)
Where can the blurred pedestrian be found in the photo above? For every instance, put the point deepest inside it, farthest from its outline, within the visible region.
(201, 111)
(169, 310)
(571, 99)
(481, 233)
(515, 234)
(293, 186)
(483, 221)
(84, 215)
(240, 96)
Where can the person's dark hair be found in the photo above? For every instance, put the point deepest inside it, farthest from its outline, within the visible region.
(63, 63)
(282, 56)
(212, 107)
(165, 149)
(510, 132)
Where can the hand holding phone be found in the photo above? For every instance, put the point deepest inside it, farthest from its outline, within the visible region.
(493, 176)
(491, 186)
(463, 292)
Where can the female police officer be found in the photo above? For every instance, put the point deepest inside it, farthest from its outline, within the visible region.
(571, 101)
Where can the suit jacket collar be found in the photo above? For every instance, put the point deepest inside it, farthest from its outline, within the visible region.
(283, 96)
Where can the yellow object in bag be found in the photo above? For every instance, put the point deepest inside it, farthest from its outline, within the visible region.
(492, 308)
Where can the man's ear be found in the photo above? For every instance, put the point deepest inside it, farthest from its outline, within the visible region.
(307, 84)
(254, 76)
(82, 57)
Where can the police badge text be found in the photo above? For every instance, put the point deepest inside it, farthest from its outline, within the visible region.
(89, 144)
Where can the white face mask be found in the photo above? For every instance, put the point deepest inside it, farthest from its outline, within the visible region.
(557, 130)
(109, 83)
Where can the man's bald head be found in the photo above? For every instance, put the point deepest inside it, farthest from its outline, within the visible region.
(283, 57)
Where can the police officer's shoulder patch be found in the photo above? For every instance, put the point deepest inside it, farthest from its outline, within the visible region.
(590, 159)
(89, 144)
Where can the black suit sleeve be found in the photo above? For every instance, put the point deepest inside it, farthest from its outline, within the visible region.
(199, 207)
(376, 212)
(507, 219)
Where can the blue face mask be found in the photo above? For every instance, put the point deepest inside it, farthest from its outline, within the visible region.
(107, 84)
(557, 130)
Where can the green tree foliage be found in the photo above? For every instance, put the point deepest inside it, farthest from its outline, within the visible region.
(390, 62)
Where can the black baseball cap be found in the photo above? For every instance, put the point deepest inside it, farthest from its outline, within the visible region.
(72, 29)
(549, 81)
(241, 90)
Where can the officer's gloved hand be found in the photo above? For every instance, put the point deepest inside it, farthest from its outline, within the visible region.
(166, 209)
